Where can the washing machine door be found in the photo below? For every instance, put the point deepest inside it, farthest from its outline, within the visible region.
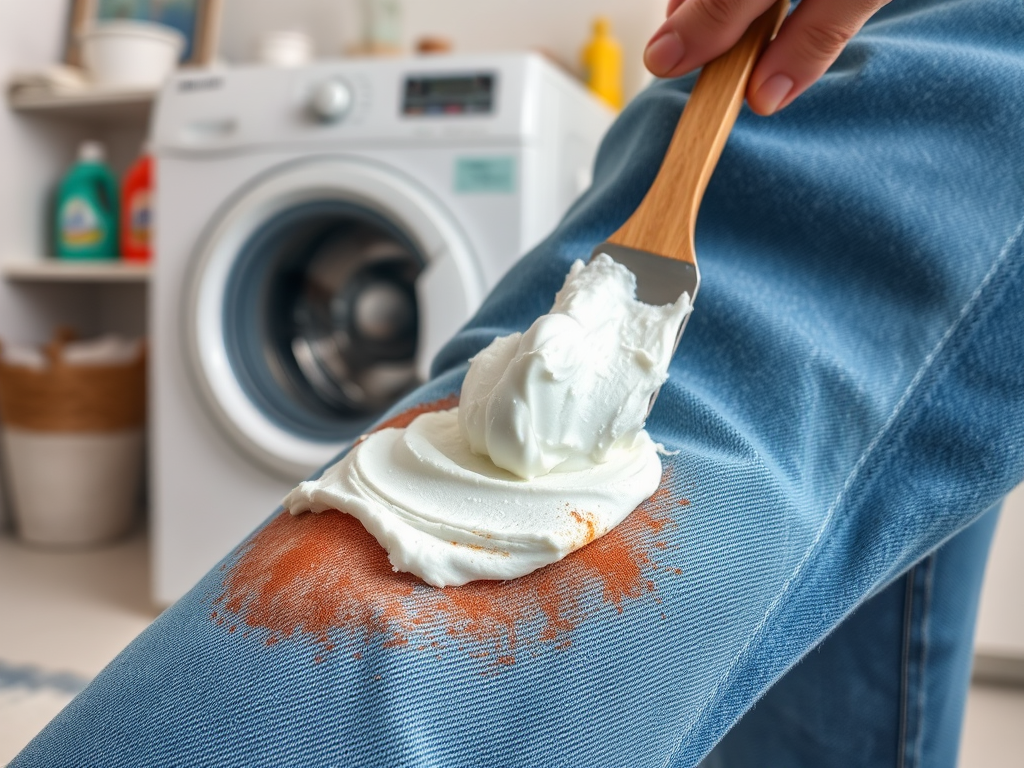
(317, 299)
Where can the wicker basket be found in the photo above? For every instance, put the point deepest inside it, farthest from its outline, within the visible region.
(73, 444)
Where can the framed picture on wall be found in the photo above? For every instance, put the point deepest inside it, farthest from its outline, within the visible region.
(197, 20)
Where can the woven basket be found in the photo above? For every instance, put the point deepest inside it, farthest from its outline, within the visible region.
(73, 444)
(73, 398)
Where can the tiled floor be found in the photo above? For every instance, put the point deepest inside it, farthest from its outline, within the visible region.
(71, 612)
(65, 615)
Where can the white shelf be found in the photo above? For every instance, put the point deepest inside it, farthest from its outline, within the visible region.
(96, 106)
(73, 271)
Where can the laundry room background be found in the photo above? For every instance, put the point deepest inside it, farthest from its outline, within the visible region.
(560, 28)
(36, 148)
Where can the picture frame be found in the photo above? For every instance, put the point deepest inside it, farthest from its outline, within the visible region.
(197, 20)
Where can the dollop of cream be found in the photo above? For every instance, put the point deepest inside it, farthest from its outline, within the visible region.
(545, 453)
(575, 387)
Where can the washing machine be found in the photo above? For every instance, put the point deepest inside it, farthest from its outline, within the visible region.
(320, 233)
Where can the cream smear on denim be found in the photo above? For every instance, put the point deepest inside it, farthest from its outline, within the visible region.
(546, 452)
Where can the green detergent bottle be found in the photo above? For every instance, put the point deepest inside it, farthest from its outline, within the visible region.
(87, 207)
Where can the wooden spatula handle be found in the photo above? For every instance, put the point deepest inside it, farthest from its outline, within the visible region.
(664, 223)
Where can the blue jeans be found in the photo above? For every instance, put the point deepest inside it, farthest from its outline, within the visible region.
(846, 405)
(887, 687)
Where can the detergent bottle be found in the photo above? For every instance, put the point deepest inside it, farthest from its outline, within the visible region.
(602, 64)
(87, 207)
(136, 209)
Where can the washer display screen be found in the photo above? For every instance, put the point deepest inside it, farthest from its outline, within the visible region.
(449, 95)
(321, 319)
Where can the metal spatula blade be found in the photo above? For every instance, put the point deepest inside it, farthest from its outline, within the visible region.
(659, 279)
(657, 242)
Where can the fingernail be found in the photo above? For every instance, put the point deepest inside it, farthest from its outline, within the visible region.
(664, 53)
(772, 92)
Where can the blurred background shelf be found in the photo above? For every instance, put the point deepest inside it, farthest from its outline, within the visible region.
(92, 106)
(55, 271)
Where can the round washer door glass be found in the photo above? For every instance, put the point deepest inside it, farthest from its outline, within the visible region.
(312, 306)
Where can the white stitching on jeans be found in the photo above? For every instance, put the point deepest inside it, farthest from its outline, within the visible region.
(826, 523)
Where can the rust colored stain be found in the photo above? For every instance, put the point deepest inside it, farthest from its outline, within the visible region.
(586, 519)
(323, 576)
(405, 418)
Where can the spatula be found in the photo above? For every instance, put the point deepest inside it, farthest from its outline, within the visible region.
(656, 243)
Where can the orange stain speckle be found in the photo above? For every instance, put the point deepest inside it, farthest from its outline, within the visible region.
(479, 548)
(588, 523)
(323, 578)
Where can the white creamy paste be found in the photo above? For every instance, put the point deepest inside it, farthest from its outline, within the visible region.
(545, 453)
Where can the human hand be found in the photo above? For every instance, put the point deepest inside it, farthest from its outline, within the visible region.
(811, 38)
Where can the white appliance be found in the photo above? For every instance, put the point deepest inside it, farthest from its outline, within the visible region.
(321, 232)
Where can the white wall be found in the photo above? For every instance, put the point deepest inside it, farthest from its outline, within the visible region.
(1001, 617)
(560, 27)
(33, 154)
(30, 37)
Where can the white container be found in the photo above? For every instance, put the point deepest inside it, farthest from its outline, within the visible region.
(75, 488)
(286, 48)
(131, 54)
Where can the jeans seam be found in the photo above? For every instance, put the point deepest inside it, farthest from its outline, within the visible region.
(922, 693)
(927, 366)
(908, 617)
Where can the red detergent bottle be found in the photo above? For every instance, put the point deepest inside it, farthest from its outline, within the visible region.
(136, 210)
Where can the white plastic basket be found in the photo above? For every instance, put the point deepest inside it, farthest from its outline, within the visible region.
(73, 443)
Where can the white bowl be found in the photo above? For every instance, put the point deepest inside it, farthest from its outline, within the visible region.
(135, 54)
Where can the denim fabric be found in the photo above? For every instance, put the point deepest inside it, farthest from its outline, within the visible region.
(847, 398)
(887, 688)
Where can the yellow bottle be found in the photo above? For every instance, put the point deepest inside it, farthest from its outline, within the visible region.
(602, 64)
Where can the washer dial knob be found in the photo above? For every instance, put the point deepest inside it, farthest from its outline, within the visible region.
(331, 101)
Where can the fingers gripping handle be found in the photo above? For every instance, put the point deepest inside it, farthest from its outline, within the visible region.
(664, 223)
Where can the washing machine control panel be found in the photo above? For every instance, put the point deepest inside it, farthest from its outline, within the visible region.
(331, 100)
(417, 100)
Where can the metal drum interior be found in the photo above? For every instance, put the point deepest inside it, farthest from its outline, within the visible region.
(320, 318)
